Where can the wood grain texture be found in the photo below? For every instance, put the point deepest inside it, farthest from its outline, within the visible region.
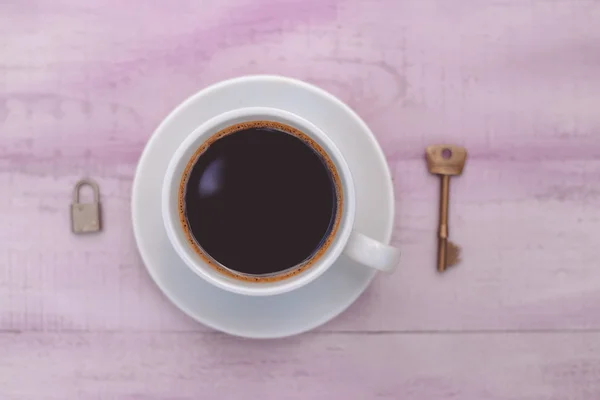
(83, 85)
(186, 366)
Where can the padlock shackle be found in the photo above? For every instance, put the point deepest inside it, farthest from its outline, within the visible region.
(89, 182)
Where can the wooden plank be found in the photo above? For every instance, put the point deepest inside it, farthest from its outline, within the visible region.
(318, 366)
(82, 87)
(541, 273)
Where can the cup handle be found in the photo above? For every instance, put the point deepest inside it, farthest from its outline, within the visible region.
(371, 253)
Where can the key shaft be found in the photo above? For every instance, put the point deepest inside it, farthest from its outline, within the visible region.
(443, 225)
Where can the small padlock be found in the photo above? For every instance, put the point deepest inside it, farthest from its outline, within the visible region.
(85, 217)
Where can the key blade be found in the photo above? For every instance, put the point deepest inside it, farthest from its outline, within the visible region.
(446, 159)
(452, 254)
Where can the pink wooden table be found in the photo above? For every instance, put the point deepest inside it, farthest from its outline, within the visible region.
(84, 84)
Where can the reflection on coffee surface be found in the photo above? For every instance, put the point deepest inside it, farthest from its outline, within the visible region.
(260, 200)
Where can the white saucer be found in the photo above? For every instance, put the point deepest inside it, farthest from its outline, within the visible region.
(271, 316)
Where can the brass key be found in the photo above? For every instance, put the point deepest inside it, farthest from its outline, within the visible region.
(445, 160)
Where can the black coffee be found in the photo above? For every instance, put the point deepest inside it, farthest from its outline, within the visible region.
(260, 200)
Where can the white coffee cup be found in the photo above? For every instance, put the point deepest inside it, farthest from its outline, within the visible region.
(345, 240)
